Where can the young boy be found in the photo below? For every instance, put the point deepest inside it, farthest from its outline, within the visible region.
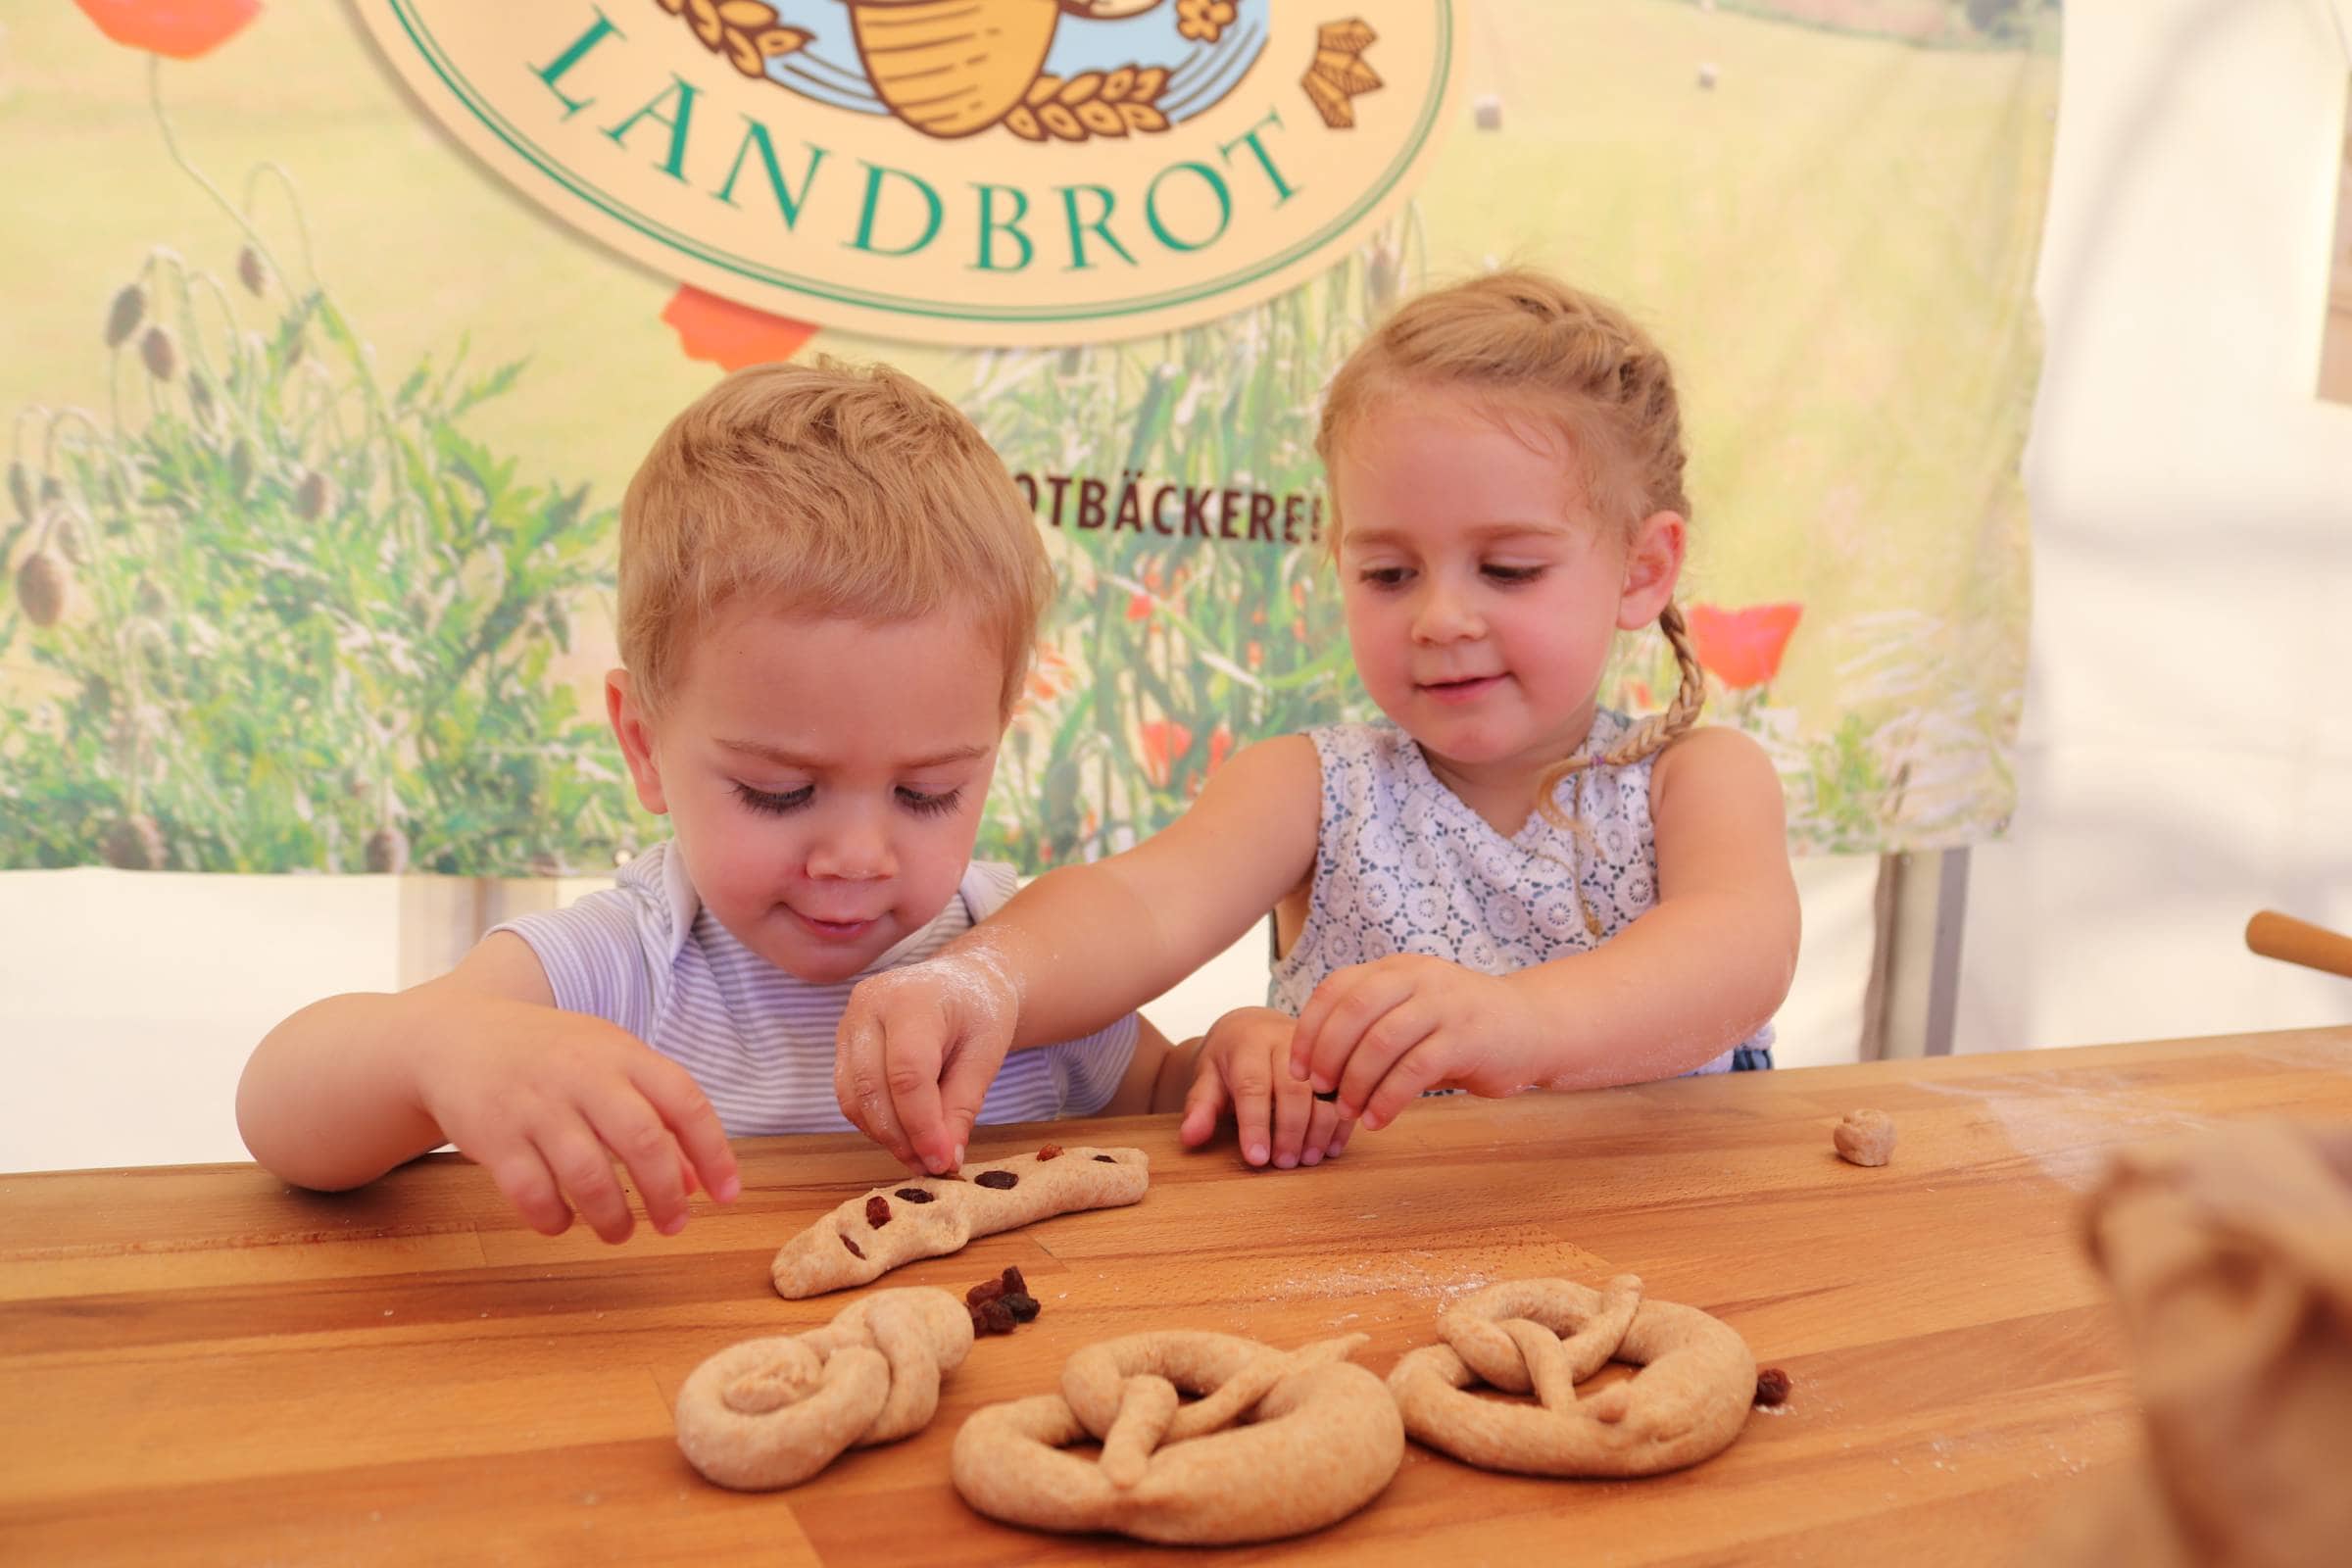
(829, 593)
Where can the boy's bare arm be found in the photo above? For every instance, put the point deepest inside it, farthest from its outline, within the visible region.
(333, 1098)
(545, 1100)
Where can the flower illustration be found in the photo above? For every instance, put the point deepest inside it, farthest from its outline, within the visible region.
(731, 335)
(181, 28)
(1165, 740)
(1051, 675)
(1743, 647)
(1203, 20)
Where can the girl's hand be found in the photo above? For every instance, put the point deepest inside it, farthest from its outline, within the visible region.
(1382, 1032)
(915, 1052)
(549, 1102)
(1279, 1118)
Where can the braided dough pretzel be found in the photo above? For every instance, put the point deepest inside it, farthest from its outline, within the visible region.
(772, 1412)
(1324, 1440)
(1687, 1401)
(930, 1216)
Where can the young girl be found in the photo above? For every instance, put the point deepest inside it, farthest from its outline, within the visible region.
(1504, 886)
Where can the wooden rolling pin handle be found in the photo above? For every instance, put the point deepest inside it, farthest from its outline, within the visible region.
(2282, 936)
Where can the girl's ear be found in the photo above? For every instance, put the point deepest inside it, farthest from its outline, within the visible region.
(636, 736)
(1654, 563)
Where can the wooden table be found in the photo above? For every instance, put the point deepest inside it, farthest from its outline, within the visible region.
(199, 1365)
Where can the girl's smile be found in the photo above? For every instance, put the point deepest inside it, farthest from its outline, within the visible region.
(1463, 689)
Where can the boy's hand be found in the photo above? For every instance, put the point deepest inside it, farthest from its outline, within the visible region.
(1382, 1032)
(547, 1101)
(1278, 1116)
(916, 1050)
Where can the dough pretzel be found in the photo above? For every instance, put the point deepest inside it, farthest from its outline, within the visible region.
(1687, 1401)
(929, 1216)
(1324, 1440)
(772, 1412)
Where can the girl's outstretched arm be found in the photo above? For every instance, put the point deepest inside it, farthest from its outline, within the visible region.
(1074, 950)
(1698, 973)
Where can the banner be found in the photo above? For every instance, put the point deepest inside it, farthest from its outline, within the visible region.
(337, 332)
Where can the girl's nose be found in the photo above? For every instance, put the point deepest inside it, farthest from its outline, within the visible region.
(1445, 614)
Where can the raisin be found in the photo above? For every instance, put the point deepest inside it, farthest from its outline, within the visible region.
(979, 1321)
(877, 1212)
(1022, 1307)
(1771, 1386)
(998, 1179)
(914, 1195)
(985, 1291)
(853, 1247)
(1106, 1159)
(1049, 1151)
(1014, 1285)
(998, 1316)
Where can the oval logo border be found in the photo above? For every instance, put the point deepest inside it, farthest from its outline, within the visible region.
(560, 189)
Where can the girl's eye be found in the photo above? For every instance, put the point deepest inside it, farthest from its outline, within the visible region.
(1514, 574)
(922, 805)
(1382, 576)
(775, 805)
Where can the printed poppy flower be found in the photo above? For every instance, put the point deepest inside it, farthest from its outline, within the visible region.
(1165, 740)
(1220, 747)
(1138, 607)
(181, 28)
(729, 335)
(1050, 676)
(1743, 647)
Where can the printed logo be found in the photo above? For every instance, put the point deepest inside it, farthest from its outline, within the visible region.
(987, 171)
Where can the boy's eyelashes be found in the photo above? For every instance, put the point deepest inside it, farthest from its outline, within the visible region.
(774, 803)
(936, 804)
(777, 803)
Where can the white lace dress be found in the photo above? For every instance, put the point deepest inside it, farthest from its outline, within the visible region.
(1403, 865)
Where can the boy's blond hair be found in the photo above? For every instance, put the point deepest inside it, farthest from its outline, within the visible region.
(824, 489)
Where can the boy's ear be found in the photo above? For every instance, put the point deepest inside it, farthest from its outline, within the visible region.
(636, 738)
(1653, 562)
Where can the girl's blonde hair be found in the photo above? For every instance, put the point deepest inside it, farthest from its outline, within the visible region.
(1543, 350)
(824, 489)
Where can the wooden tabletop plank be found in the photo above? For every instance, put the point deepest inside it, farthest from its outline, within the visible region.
(198, 1364)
